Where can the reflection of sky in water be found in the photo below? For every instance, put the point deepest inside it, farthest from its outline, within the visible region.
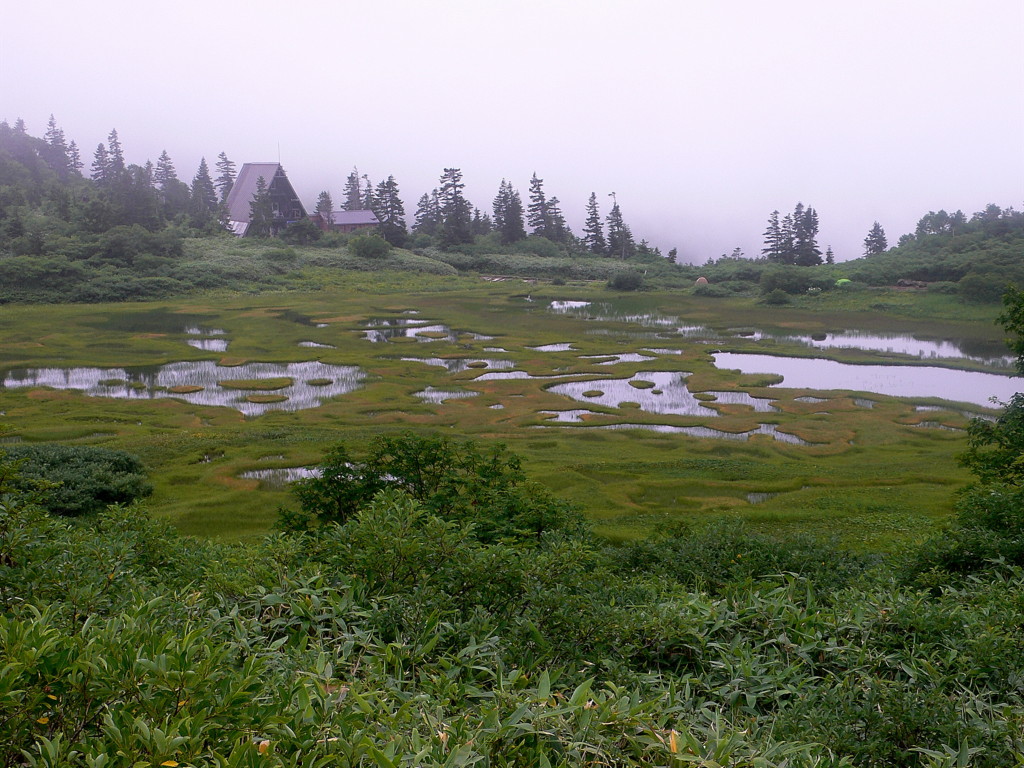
(759, 404)
(564, 346)
(626, 357)
(574, 416)
(457, 365)
(895, 343)
(136, 384)
(208, 345)
(198, 330)
(279, 478)
(708, 432)
(401, 328)
(562, 307)
(316, 345)
(674, 398)
(500, 375)
(437, 396)
(663, 351)
(989, 353)
(893, 380)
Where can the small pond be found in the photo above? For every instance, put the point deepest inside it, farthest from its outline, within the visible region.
(438, 396)
(654, 392)
(281, 477)
(709, 433)
(199, 382)
(893, 380)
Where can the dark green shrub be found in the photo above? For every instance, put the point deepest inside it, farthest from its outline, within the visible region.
(369, 246)
(626, 281)
(84, 479)
(454, 481)
(711, 291)
(776, 297)
(302, 232)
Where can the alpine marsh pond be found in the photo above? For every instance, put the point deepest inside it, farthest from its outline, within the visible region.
(634, 407)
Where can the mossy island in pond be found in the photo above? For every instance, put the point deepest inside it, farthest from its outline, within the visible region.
(261, 384)
(593, 393)
(641, 384)
(262, 399)
(320, 382)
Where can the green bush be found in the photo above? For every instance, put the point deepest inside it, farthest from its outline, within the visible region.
(369, 246)
(79, 480)
(628, 280)
(775, 297)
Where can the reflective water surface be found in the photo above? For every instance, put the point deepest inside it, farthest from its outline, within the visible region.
(893, 380)
(148, 383)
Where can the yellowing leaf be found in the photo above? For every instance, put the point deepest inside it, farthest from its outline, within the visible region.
(170, 763)
(43, 720)
(51, 696)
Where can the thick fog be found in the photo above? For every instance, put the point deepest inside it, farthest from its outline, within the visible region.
(702, 117)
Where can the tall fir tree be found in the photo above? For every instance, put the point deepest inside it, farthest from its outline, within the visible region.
(225, 176)
(620, 239)
(325, 207)
(117, 166)
(456, 211)
(204, 197)
(164, 173)
(805, 239)
(593, 231)
(875, 242)
(508, 214)
(537, 214)
(482, 224)
(101, 165)
(56, 153)
(367, 193)
(557, 230)
(261, 211)
(773, 240)
(353, 192)
(390, 212)
(74, 158)
(427, 218)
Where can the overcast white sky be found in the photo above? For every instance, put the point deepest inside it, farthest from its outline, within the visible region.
(702, 116)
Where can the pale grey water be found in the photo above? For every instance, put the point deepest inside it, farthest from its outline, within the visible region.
(894, 380)
(151, 383)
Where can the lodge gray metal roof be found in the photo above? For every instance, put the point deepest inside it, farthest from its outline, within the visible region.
(244, 188)
(354, 217)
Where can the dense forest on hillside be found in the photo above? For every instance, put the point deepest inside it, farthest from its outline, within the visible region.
(120, 231)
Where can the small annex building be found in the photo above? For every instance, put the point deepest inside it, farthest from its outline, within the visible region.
(285, 203)
(346, 221)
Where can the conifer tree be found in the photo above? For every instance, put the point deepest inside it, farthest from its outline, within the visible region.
(164, 173)
(875, 242)
(673, 256)
(427, 219)
(508, 214)
(325, 207)
(830, 257)
(482, 224)
(557, 230)
(773, 240)
(593, 231)
(261, 211)
(367, 193)
(805, 233)
(620, 239)
(204, 196)
(74, 158)
(353, 192)
(116, 167)
(100, 165)
(226, 176)
(456, 212)
(538, 215)
(390, 212)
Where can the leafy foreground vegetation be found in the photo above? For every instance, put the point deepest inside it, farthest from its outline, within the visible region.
(405, 634)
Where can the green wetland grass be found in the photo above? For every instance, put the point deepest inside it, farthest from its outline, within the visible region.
(873, 477)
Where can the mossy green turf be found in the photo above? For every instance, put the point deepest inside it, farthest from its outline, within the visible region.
(870, 477)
